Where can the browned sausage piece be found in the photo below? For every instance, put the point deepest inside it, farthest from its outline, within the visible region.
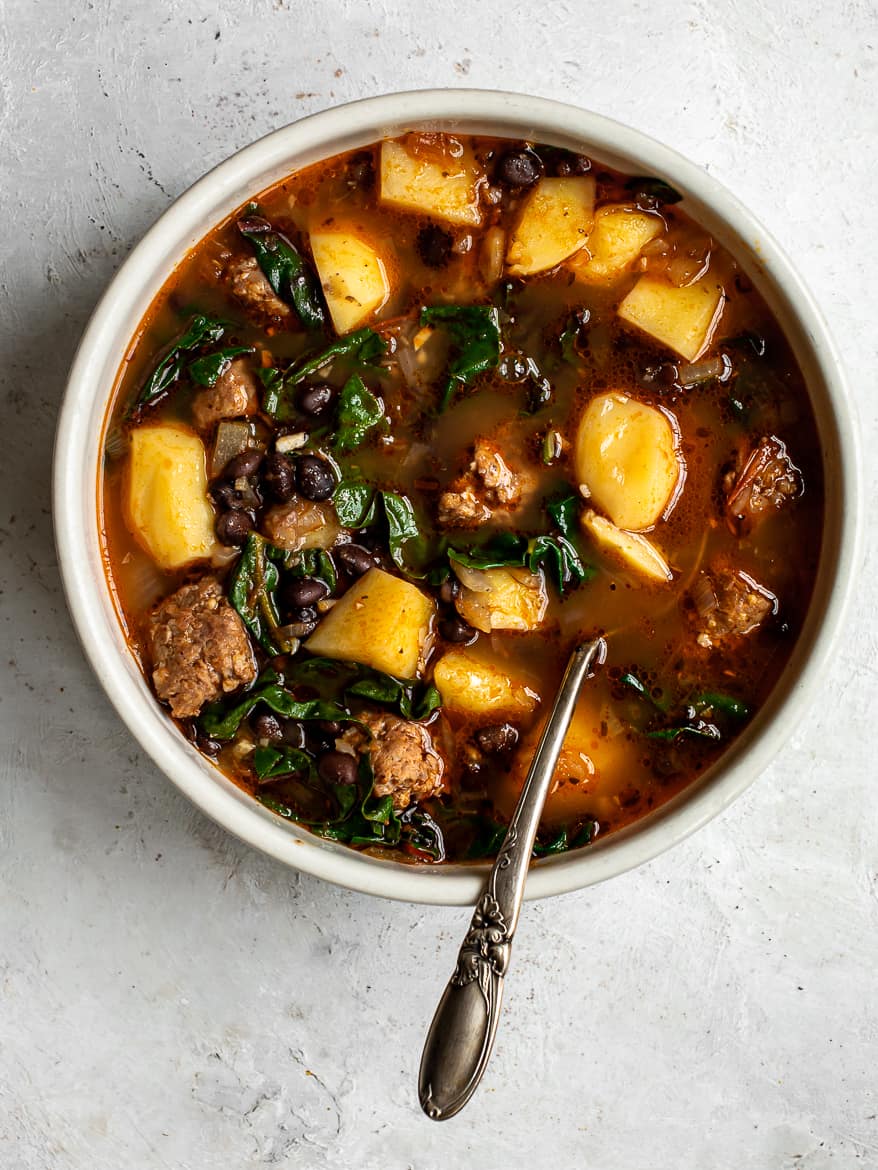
(199, 648)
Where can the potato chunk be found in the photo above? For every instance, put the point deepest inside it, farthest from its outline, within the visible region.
(628, 458)
(474, 687)
(501, 599)
(382, 621)
(431, 181)
(684, 319)
(632, 549)
(615, 242)
(555, 222)
(353, 277)
(592, 769)
(166, 500)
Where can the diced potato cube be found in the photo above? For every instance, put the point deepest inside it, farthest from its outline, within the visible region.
(630, 548)
(615, 242)
(684, 319)
(555, 222)
(592, 769)
(353, 276)
(501, 599)
(432, 183)
(628, 459)
(473, 687)
(166, 499)
(382, 621)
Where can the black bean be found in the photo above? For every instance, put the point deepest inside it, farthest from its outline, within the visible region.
(204, 743)
(518, 168)
(315, 479)
(514, 367)
(279, 477)
(498, 738)
(303, 615)
(293, 733)
(234, 527)
(449, 589)
(434, 245)
(337, 768)
(455, 629)
(316, 400)
(267, 726)
(361, 170)
(245, 464)
(572, 164)
(306, 591)
(354, 559)
(227, 495)
(329, 726)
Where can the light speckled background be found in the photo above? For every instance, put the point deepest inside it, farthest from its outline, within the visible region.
(172, 999)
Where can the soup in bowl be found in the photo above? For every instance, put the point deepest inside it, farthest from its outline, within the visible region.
(423, 409)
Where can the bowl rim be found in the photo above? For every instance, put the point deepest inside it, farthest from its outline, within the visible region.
(77, 461)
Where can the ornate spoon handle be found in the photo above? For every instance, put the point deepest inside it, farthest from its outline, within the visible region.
(462, 1034)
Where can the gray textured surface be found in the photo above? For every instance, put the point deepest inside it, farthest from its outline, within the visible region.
(169, 998)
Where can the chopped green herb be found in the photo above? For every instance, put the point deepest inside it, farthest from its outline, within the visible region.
(221, 720)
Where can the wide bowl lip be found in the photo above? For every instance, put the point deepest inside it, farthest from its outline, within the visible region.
(88, 596)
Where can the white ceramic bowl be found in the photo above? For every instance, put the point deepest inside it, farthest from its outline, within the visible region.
(106, 340)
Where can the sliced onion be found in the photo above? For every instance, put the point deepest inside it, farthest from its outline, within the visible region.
(116, 442)
(287, 443)
(287, 637)
(144, 582)
(703, 595)
(695, 373)
(492, 254)
(232, 436)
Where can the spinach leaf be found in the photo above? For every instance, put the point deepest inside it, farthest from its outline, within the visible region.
(285, 270)
(654, 188)
(337, 681)
(221, 721)
(273, 401)
(698, 728)
(698, 717)
(355, 504)
(560, 559)
(403, 531)
(500, 551)
(475, 331)
(359, 410)
(360, 349)
(421, 834)
(570, 335)
(361, 817)
(713, 702)
(206, 370)
(566, 840)
(565, 513)
(358, 505)
(269, 763)
(202, 330)
(317, 563)
(557, 554)
(252, 590)
(363, 347)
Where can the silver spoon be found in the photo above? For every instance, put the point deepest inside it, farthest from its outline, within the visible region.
(462, 1034)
